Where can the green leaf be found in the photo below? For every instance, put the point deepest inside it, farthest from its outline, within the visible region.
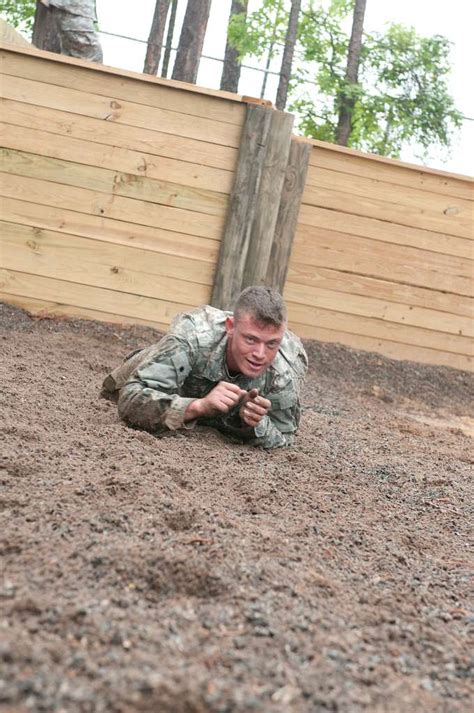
(19, 14)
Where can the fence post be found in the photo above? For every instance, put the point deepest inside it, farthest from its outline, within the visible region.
(271, 185)
(293, 187)
(242, 206)
(263, 208)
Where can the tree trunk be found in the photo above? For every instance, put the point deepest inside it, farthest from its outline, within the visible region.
(270, 51)
(169, 39)
(186, 65)
(288, 52)
(231, 70)
(344, 125)
(45, 34)
(155, 39)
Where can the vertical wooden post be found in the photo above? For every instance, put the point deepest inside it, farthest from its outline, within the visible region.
(264, 205)
(242, 207)
(271, 185)
(293, 187)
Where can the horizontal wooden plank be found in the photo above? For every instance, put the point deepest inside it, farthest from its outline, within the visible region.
(112, 231)
(111, 206)
(452, 217)
(394, 350)
(117, 159)
(123, 112)
(388, 311)
(354, 284)
(94, 262)
(108, 74)
(160, 95)
(379, 329)
(121, 304)
(371, 258)
(339, 158)
(401, 204)
(353, 225)
(119, 183)
(355, 167)
(143, 141)
(49, 310)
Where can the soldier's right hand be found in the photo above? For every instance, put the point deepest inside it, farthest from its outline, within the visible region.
(221, 399)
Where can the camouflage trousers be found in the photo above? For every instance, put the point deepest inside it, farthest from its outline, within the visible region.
(77, 35)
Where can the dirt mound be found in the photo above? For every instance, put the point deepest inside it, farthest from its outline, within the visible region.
(188, 574)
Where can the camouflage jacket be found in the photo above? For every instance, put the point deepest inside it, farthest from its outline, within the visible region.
(155, 385)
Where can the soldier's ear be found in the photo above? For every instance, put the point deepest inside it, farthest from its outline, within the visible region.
(229, 324)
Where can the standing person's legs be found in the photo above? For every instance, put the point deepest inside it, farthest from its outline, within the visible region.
(77, 35)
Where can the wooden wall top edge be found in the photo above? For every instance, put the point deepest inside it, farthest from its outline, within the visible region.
(94, 66)
(383, 159)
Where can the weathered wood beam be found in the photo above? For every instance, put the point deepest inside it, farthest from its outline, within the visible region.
(270, 189)
(243, 204)
(292, 191)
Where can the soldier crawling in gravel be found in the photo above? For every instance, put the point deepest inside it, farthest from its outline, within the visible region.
(240, 373)
(74, 20)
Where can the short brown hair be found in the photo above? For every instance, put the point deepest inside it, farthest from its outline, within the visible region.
(265, 304)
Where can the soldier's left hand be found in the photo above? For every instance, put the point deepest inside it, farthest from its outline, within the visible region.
(254, 407)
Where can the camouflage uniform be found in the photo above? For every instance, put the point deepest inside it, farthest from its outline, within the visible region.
(155, 385)
(75, 23)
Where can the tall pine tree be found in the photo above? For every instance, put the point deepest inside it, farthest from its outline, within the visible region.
(191, 40)
(347, 96)
(231, 70)
(288, 52)
(155, 38)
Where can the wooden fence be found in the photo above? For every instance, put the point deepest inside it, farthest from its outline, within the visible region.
(383, 258)
(128, 198)
(115, 188)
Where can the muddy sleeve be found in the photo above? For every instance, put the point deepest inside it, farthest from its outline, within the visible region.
(150, 399)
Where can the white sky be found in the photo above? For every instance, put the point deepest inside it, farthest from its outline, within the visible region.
(453, 19)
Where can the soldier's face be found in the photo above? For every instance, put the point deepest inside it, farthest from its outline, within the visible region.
(251, 346)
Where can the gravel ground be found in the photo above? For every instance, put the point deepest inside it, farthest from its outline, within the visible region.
(189, 574)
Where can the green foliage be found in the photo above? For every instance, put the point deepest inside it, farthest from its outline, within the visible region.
(412, 102)
(258, 32)
(401, 98)
(19, 13)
